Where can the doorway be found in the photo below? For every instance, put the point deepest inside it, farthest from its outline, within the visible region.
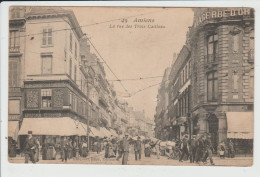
(213, 131)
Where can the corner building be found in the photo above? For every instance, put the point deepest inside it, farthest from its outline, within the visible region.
(222, 84)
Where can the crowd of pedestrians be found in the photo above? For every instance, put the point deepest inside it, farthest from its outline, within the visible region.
(196, 149)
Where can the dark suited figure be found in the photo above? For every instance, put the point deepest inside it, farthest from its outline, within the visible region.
(120, 149)
(184, 148)
(193, 148)
(30, 148)
(138, 149)
(125, 150)
(208, 150)
(64, 149)
(200, 149)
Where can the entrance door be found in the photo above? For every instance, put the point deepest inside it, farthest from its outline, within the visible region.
(213, 130)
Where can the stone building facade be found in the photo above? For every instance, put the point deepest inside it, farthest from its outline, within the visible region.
(219, 54)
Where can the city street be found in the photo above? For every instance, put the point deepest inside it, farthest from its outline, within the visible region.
(99, 159)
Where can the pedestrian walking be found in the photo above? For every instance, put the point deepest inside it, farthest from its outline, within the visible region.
(193, 149)
(231, 151)
(37, 150)
(125, 144)
(84, 148)
(221, 149)
(184, 148)
(199, 148)
(120, 149)
(98, 146)
(157, 148)
(208, 150)
(138, 148)
(64, 149)
(30, 148)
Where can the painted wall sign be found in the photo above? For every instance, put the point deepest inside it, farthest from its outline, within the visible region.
(221, 14)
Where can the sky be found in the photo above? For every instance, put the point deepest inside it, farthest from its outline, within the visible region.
(136, 52)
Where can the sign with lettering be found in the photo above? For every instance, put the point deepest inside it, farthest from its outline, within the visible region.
(221, 14)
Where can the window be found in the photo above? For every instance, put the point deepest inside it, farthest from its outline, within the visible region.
(14, 41)
(17, 13)
(212, 48)
(46, 64)
(76, 50)
(70, 67)
(235, 81)
(70, 41)
(46, 98)
(75, 73)
(212, 86)
(252, 83)
(13, 73)
(236, 43)
(47, 36)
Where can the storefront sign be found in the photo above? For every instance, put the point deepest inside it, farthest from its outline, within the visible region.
(221, 14)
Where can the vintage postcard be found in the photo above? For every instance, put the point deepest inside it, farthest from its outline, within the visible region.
(131, 85)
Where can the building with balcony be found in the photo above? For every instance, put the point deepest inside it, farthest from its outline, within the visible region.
(17, 46)
(211, 86)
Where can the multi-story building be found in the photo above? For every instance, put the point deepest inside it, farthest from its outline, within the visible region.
(212, 80)
(222, 51)
(179, 94)
(17, 31)
(161, 118)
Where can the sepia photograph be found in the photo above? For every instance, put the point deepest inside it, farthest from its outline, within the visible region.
(164, 86)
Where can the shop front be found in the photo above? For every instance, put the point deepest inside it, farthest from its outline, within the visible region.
(240, 131)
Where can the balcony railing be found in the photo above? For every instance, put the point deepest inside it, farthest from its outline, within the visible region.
(251, 55)
(14, 49)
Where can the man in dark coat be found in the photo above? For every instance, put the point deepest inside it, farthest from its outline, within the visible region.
(138, 149)
(208, 150)
(200, 149)
(64, 149)
(125, 150)
(30, 148)
(120, 149)
(192, 145)
(184, 148)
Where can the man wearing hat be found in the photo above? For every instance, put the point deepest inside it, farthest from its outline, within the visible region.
(184, 147)
(208, 150)
(200, 148)
(192, 144)
(30, 148)
(125, 150)
(138, 148)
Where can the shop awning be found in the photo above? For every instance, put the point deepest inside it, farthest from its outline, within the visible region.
(240, 125)
(105, 132)
(63, 126)
(96, 132)
(13, 129)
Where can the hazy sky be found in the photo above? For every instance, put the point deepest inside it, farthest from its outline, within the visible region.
(136, 52)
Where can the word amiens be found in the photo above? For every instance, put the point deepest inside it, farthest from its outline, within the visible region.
(149, 20)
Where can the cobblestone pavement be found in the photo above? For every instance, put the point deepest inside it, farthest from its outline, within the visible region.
(99, 159)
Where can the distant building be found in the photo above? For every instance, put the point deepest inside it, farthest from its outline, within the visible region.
(162, 121)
